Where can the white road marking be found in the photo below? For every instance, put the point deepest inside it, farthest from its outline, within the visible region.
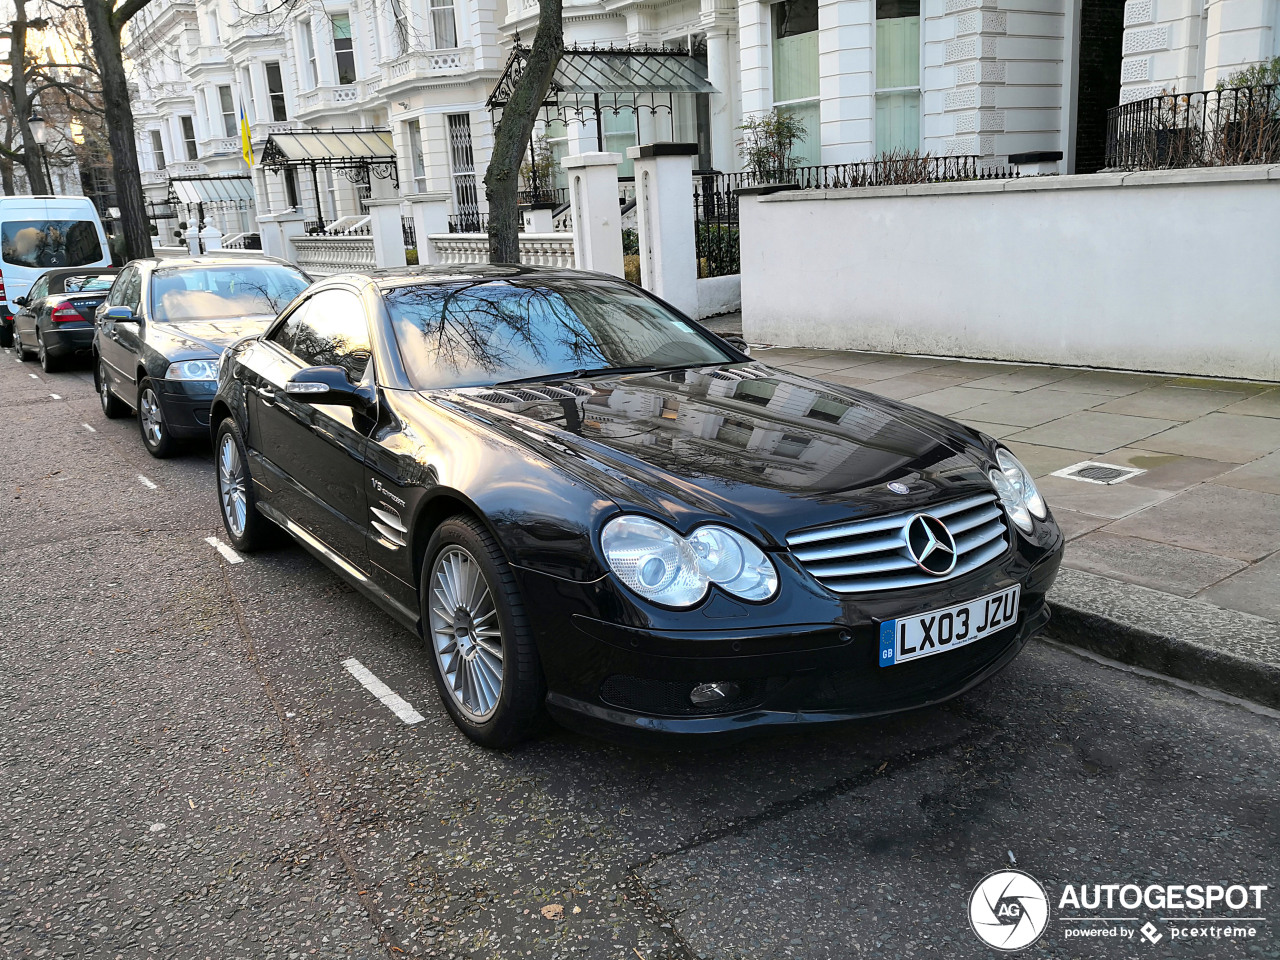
(55, 396)
(145, 482)
(33, 376)
(89, 428)
(390, 699)
(230, 555)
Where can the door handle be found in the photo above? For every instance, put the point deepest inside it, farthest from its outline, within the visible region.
(267, 394)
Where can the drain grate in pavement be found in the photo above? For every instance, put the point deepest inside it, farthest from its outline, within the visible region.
(1091, 471)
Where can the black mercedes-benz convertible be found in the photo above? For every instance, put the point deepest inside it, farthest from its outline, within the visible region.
(588, 505)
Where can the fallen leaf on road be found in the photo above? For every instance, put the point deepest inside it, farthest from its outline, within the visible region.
(553, 911)
(880, 769)
(577, 909)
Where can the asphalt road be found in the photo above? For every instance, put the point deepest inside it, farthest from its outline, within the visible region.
(188, 770)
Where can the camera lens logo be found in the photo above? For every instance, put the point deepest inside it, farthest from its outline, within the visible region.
(1008, 910)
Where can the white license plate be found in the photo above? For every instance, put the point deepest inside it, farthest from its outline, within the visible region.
(923, 635)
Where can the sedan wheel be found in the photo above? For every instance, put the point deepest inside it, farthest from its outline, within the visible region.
(155, 432)
(231, 486)
(482, 649)
(112, 406)
(47, 363)
(465, 632)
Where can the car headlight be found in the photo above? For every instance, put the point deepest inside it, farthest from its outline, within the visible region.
(662, 566)
(1017, 491)
(193, 370)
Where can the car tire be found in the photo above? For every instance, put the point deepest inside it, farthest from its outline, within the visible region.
(247, 529)
(19, 349)
(151, 424)
(461, 641)
(113, 408)
(6, 335)
(47, 363)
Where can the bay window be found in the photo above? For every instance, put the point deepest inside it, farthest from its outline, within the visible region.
(444, 27)
(343, 48)
(897, 76)
(795, 72)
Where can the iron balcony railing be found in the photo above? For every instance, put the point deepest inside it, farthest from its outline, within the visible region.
(1206, 128)
(898, 170)
(409, 232)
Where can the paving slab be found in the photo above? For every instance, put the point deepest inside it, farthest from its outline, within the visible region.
(1094, 432)
(1262, 405)
(1027, 378)
(1111, 384)
(1172, 403)
(833, 361)
(1262, 475)
(1075, 524)
(997, 431)
(1243, 524)
(954, 399)
(1042, 460)
(910, 385)
(1249, 387)
(1255, 589)
(1034, 407)
(886, 367)
(1112, 501)
(1157, 565)
(1166, 471)
(1221, 436)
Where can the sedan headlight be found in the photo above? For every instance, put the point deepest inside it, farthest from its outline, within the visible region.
(1017, 491)
(662, 566)
(193, 370)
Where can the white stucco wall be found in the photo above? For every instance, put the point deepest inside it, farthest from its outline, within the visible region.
(1169, 271)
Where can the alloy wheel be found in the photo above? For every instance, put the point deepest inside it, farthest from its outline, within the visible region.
(149, 411)
(104, 392)
(40, 351)
(465, 633)
(232, 485)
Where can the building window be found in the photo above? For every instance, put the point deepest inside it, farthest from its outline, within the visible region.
(228, 106)
(795, 71)
(309, 54)
(897, 76)
(247, 97)
(413, 130)
(189, 137)
(466, 200)
(400, 26)
(275, 90)
(343, 49)
(157, 150)
(444, 29)
(291, 187)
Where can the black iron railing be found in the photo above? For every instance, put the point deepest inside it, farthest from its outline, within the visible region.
(409, 232)
(898, 170)
(362, 230)
(556, 195)
(1207, 128)
(468, 223)
(250, 241)
(715, 222)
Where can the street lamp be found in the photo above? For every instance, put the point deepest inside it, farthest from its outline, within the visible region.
(39, 133)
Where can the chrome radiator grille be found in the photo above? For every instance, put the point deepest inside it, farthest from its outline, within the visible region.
(867, 555)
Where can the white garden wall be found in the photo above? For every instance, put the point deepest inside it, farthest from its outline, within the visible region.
(1172, 271)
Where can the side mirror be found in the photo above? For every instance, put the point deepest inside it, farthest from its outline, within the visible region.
(328, 385)
(21, 301)
(119, 314)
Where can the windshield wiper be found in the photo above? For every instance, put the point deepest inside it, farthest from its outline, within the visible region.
(583, 374)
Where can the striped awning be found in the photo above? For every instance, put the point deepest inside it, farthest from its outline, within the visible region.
(233, 189)
(328, 148)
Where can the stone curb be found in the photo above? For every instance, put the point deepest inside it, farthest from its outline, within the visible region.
(1189, 640)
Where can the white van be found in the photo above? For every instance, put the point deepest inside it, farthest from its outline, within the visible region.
(40, 233)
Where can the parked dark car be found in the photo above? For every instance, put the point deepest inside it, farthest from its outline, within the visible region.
(55, 319)
(160, 332)
(588, 504)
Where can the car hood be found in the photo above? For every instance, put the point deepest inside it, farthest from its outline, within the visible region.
(203, 338)
(773, 450)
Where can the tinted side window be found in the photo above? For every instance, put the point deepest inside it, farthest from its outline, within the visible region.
(39, 289)
(331, 331)
(116, 297)
(133, 292)
(284, 334)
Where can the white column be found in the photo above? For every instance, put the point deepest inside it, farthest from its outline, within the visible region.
(212, 238)
(291, 226)
(388, 237)
(272, 238)
(664, 213)
(721, 76)
(597, 217)
(430, 212)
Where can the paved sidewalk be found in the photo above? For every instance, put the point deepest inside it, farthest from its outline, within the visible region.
(1199, 527)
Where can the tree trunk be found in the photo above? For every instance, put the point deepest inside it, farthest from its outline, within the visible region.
(22, 102)
(105, 31)
(502, 178)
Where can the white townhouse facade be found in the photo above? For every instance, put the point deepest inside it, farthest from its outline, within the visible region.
(1022, 80)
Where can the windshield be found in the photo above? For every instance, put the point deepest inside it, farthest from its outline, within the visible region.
(488, 331)
(224, 292)
(88, 282)
(50, 243)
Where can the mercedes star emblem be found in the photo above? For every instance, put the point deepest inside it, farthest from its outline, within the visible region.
(899, 487)
(930, 545)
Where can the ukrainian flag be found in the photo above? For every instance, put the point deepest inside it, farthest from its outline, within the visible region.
(246, 148)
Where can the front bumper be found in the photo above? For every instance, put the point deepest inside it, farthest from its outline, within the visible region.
(604, 677)
(186, 405)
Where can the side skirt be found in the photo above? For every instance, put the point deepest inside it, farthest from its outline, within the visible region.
(339, 565)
